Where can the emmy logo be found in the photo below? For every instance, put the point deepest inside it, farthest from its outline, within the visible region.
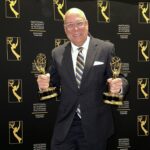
(14, 44)
(103, 11)
(15, 86)
(143, 125)
(15, 128)
(144, 12)
(114, 98)
(12, 8)
(143, 88)
(40, 64)
(60, 7)
(143, 46)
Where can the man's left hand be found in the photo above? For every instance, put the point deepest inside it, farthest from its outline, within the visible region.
(115, 85)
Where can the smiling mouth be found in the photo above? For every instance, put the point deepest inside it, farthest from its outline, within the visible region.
(76, 35)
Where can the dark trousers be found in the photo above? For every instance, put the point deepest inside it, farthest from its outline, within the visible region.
(75, 139)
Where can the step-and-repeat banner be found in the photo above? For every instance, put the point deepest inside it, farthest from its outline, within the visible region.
(30, 29)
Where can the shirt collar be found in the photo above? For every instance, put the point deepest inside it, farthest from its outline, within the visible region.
(85, 44)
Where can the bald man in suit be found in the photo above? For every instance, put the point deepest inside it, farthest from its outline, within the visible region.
(91, 129)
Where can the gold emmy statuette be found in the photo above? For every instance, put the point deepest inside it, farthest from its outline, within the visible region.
(114, 98)
(40, 64)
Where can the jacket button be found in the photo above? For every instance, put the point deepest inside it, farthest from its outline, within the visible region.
(79, 93)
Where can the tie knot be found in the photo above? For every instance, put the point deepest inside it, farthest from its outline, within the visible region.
(80, 49)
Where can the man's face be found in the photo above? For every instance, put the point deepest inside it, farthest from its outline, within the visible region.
(76, 28)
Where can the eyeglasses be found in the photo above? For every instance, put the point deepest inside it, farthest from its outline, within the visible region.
(71, 26)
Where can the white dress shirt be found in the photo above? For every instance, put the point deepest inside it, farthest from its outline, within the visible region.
(74, 52)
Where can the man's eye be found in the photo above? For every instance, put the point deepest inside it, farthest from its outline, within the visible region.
(70, 25)
(80, 23)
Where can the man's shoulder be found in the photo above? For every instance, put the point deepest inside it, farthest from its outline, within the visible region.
(102, 42)
(103, 45)
(61, 47)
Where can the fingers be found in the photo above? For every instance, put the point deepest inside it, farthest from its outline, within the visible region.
(115, 85)
(43, 81)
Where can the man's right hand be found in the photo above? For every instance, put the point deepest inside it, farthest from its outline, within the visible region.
(43, 81)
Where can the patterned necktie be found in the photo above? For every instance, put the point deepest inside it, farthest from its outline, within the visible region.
(79, 73)
(79, 66)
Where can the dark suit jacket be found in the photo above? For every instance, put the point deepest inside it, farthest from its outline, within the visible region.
(97, 118)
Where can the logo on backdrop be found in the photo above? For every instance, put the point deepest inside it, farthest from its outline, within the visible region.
(15, 91)
(59, 42)
(124, 144)
(39, 110)
(144, 12)
(59, 7)
(143, 125)
(15, 132)
(13, 48)
(12, 8)
(103, 11)
(124, 31)
(37, 27)
(143, 88)
(143, 50)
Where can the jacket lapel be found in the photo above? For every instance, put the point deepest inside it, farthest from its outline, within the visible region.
(68, 64)
(89, 59)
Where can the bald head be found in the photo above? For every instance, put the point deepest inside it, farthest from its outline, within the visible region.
(75, 11)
